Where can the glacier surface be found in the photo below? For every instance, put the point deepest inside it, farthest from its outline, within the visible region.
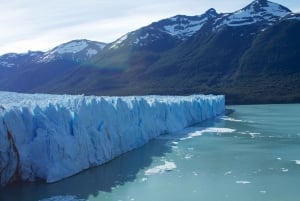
(51, 137)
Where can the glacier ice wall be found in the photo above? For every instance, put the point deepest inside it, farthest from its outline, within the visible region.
(51, 137)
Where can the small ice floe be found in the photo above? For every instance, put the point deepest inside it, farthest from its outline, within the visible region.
(192, 134)
(188, 156)
(208, 130)
(252, 134)
(284, 170)
(225, 118)
(279, 158)
(195, 174)
(297, 162)
(144, 179)
(230, 119)
(263, 192)
(168, 166)
(242, 182)
(63, 198)
(228, 173)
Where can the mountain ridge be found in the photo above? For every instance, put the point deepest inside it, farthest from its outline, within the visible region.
(208, 53)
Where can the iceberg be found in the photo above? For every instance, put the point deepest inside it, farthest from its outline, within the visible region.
(51, 137)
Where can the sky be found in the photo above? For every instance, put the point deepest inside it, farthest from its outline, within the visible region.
(42, 25)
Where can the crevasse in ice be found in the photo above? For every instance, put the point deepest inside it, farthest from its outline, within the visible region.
(51, 137)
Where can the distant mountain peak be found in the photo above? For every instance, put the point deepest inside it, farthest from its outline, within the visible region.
(263, 12)
(259, 6)
(77, 50)
(179, 28)
(75, 46)
(211, 12)
(261, 2)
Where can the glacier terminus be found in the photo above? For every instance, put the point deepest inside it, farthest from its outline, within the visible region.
(51, 137)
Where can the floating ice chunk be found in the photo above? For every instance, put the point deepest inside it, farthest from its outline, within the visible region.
(230, 119)
(208, 130)
(243, 182)
(279, 158)
(188, 156)
(252, 134)
(263, 192)
(284, 170)
(228, 173)
(297, 162)
(226, 118)
(168, 166)
(144, 179)
(218, 130)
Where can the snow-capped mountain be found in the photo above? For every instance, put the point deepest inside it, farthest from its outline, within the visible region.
(76, 50)
(13, 60)
(261, 12)
(178, 28)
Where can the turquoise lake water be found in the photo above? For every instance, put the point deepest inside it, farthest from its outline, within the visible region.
(252, 154)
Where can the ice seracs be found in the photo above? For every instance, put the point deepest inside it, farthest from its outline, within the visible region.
(51, 137)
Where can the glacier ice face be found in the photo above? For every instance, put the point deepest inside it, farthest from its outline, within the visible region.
(51, 137)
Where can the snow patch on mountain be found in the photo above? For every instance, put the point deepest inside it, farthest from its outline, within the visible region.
(101, 45)
(91, 52)
(72, 47)
(118, 43)
(185, 29)
(292, 16)
(6, 64)
(51, 137)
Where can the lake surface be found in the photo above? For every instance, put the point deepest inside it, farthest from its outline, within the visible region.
(252, 154)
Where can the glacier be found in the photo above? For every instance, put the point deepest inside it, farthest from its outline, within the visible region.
(51, 137)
